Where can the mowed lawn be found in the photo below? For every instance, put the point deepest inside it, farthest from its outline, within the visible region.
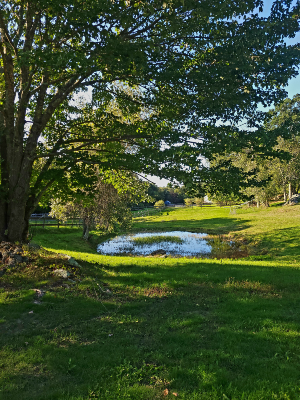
(158, 328)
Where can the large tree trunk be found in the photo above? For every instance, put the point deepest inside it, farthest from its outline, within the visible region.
(3, 215)
(14, 191)
(18, 193)
(17, 224)
(3, 182)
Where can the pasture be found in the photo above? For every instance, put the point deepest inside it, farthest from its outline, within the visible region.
(158, 328)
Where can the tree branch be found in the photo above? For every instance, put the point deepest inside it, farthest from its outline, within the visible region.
(6, 34)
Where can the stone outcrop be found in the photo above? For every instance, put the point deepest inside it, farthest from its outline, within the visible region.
(295, 199)
(11, 254)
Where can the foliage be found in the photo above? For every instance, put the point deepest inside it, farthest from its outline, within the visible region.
(188, 202)
(105, 205)
(199, 201)
(224, 199)
(160, 74)
(285, 166)
(173, 194)
(263, 175)
(159, 204)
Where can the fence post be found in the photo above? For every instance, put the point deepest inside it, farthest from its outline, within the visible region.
(44, 223)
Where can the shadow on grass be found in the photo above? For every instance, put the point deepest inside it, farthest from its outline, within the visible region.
(283, 242)
(69, 239)
(204, 330)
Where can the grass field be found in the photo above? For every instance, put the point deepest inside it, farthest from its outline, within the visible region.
(158, 328)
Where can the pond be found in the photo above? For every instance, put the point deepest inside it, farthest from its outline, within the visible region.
(172, 243)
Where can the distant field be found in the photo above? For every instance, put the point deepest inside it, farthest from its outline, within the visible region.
(158, 328)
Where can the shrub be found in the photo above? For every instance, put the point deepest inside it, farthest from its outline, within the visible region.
(159, 204)
(199, 201)
(188, 202)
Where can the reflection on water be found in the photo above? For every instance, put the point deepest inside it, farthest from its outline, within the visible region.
(193, 244)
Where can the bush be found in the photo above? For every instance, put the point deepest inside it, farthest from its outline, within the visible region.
(188, 202)
(199, 201)
(159, 204)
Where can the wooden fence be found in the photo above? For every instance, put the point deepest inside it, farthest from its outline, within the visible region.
(138, 208)
(45, 220)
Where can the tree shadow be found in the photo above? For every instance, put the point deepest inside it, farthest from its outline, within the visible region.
(283, 242)
(202, 329)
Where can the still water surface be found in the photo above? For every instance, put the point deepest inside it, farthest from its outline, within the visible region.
(193, 244)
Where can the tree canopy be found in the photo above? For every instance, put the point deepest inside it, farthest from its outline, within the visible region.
(270, 171)
(172, 69)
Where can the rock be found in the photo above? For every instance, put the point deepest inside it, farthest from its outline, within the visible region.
(295, 199)
(39, 293)
(11, 254)
(34, 246)
(10, 262)
(17, 258)
(74, 263)
(62, 273)
(71, 260)
(159, 252)
(64, 255)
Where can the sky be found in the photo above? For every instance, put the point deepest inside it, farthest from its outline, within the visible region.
(292, 88)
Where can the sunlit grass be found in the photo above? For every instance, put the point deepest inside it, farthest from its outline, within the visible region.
(146, 328)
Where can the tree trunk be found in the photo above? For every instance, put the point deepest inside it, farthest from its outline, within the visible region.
(3, 182)
(257, 204)
(284, 194)
(3, 219)
(86, 228)
(290, 190)
(17, 224)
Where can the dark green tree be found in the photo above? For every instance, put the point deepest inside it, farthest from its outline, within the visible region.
(187, 63)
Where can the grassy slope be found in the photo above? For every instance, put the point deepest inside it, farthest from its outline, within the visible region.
(203, 329)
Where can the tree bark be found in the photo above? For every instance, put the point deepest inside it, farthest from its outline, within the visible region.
(290, 190)
(284, 194)
(86, 228)
(3, 182)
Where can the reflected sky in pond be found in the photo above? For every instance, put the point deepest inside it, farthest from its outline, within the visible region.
(193, 244)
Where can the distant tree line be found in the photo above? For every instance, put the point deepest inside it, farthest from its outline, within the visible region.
(174, 195)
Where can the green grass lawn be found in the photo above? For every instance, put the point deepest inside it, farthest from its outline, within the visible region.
(158, 328)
